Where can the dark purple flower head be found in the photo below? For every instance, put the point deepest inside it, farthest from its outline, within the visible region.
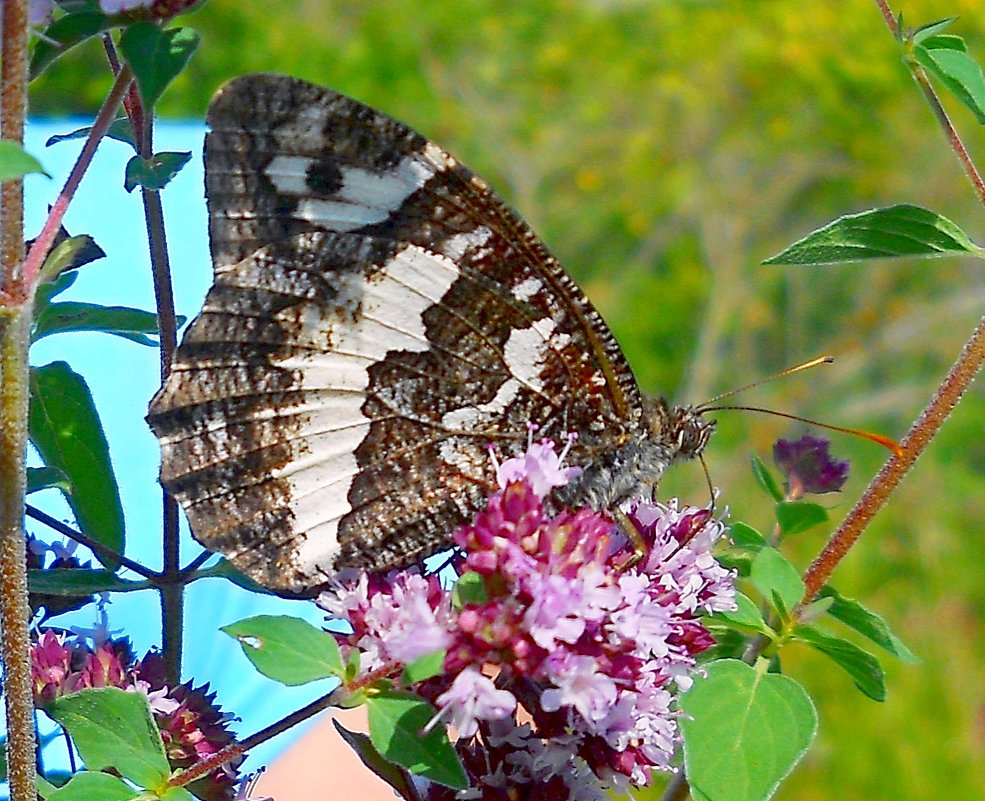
(192, 727)
(808, 466)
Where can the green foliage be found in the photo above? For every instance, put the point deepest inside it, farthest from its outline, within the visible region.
(728, 716)
(862, 666)
(772, 574)
(75, 581)
(156, 56)
(765, 479)
(154, 173)
(424, 667)
(799, 516)
(70, 253)
(112, 728)
(867, 623)
(89, 786)
(376, 762)
(65, 429)
(42, 478)
(120, 129)
(396, 722)
(287, 649)
(745, 536)
(946, 58)
(16, 162)
(65, 33)
(879, 234)
(135, 325)
(469, 589)
(747, 616)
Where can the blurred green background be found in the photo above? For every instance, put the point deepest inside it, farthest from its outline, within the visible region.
(662, 150)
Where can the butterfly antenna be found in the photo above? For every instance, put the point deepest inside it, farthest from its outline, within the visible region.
(706, 406)
(886, 442)
(711, 487)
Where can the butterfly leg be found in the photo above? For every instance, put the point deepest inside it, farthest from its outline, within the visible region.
(632, 531)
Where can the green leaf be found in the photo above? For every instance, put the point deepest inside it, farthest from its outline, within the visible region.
(120, 129)
(814, 610)
(867, 623)
(42, 478)
(15, 162)
(135, 325)
(156, 56)
(179, 793)
(91, 786)
(64, 34)
(396, 722)
(765, 478)
(393, 775)
(798, 516)
(154, 173)
(73, 581)
(744, 731)
(65, 429)
(946, 58)
(880, 234)
(54, 286)
(745, 536)
(287, 649)
(425, 667)
(227, 570)
(862, 666)
(772, 573)
(44, 787)
(945, 42)
(70, 253)
(469, 589)
(112, 728)
(747, 615)
(738, 560)
(932, 29)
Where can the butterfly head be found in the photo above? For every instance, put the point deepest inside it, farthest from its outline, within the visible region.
(684, 430)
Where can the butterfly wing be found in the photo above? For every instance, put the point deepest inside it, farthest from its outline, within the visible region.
(378, 318)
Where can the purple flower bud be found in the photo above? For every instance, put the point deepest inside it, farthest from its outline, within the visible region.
(808, 466)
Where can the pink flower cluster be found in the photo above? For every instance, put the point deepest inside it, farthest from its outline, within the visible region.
(191, 725)
(560, 674)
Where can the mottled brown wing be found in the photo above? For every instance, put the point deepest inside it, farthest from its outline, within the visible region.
(378, 319)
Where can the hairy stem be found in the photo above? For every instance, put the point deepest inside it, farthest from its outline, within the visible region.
(13, 109)
(15, 327)
(958, 379)
(927, 425)
(15, 639)
(41, 246)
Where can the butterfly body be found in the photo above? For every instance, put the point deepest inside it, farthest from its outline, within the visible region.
(378, 319)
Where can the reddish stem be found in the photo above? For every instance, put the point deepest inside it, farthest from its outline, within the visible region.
(39, 251)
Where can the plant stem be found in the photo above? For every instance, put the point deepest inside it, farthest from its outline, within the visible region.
(173, 589)
(209, 764)
(13, 109)
(15, 639)
(91, 544)
(15, 327)
(958, 379)
(888, 16)
(36, 257)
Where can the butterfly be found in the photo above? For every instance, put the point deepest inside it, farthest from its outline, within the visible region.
(378, 320)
